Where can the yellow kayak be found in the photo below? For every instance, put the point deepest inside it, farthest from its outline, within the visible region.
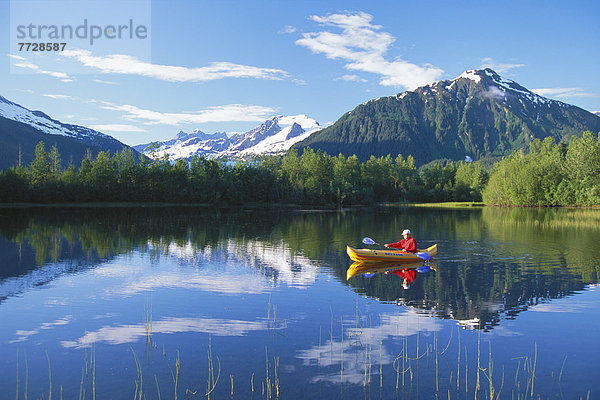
(361, 267)
(388, 254)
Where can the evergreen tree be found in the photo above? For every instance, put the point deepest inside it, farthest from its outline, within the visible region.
(55, 162)
(40, 168)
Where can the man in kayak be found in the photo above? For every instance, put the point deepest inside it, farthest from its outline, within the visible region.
(408, 275)
(408, 244)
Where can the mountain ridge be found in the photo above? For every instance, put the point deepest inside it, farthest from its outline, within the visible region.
(479, 114)
(22, 129)
(274, 136)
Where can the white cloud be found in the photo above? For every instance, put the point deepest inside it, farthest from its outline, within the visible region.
(362, 46)
(15, 57)
(489, 62)
(351, 78)
(494, 92)
(58, 96)
(225, 113)
(562, 92)
(117, 128)
(299, 82)
(126, 64)
(288, 29)
(85, 119)
(105, 82)
(24, 63)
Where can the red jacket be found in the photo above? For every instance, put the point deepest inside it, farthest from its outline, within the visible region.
(409, 245)
(408, 274)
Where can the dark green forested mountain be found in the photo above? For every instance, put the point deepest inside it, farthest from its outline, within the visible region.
(479, 114)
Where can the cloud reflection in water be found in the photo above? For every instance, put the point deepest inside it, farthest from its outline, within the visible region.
(24, 334)
(249, 267)
(356, 341)
(132, 333)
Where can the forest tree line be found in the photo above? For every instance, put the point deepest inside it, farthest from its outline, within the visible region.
(313, 178)
(549, 174)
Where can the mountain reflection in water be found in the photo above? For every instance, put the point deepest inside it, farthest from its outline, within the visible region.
(272, 294)
(492, 263)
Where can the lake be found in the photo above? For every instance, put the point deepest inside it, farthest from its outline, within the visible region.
(121, 303)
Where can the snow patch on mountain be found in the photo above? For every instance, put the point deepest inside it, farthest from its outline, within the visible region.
(497, 87)
(305, 122)
(40, 121)
(44, 123)
(472, 75)
(498, 83)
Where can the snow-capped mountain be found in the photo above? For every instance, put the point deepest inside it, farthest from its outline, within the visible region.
(274, 136)
(479, 114)
(21, 129)
(43, 122)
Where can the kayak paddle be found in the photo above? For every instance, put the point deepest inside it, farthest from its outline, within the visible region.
(368, 240)
(422, 255)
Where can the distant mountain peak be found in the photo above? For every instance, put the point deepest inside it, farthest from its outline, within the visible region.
(295, 130)
(485, 83)
(477, 75)
(270, 126)
(181, 135)
(274, 136)
(472, 74)
(305, 122)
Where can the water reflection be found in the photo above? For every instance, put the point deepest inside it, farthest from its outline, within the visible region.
(362, 349)
(23, 335)
(121, 334)
(369, 269)
(130, 283)
(478, 294)
(271, 286)
(492, 263)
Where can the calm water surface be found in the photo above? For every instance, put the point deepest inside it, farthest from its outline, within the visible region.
(169, 302)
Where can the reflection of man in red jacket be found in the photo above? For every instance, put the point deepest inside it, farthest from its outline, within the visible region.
(408, 275)
(408, 244)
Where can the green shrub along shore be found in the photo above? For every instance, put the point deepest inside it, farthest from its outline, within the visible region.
(549, 174)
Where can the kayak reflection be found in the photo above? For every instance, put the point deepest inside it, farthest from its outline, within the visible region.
(368, 269)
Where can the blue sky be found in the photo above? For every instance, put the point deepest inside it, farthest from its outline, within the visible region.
(228, 65)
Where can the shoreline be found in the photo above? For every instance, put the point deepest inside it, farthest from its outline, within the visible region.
(254, 206)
